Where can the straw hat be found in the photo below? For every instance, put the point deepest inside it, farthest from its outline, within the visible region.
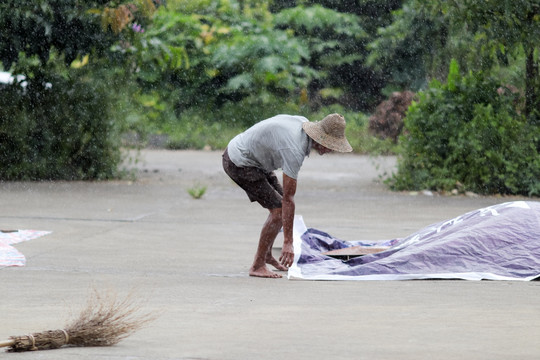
(329, 132)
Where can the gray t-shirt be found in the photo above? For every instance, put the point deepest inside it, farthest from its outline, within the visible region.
(275, 143)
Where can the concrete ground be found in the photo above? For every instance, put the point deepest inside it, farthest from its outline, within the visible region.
(188, 260)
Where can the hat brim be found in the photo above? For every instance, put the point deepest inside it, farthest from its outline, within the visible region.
(333, 143)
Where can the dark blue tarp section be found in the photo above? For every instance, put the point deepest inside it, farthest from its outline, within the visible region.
(500, 242)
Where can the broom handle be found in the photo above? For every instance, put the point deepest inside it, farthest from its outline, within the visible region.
(7, 343)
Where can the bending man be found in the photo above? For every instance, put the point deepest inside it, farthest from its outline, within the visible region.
(280, 142)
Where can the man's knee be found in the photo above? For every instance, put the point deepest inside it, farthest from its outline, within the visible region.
(275, 214)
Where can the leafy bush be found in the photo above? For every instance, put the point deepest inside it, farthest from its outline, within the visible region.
(465, 135)
(67, 128)
(335, 43)
(232, 70)
(64, 120)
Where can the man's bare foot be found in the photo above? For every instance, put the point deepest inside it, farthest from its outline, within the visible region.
(272, 261)
(263, 272)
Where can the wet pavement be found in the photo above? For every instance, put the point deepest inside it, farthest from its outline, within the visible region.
(188, 259)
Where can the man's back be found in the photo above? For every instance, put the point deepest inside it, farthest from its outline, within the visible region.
(277, 142)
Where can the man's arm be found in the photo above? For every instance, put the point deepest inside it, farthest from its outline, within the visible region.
(287, 214)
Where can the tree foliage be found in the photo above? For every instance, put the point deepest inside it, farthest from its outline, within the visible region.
(462, 134)
(467, 135)
(60, 118)
(332, 40)
(66, 130)
(506, 26)
(411, 49)
(73, 28)
(241, 57)
(485, 35)
(223, 60)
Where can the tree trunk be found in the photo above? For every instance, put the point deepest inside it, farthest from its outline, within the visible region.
(532, 88)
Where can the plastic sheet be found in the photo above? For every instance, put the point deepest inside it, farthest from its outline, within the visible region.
(9, 256)
(500, 242)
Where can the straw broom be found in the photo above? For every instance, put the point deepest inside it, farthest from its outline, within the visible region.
(103, 322)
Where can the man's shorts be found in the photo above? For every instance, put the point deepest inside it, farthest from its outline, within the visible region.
(259, 185)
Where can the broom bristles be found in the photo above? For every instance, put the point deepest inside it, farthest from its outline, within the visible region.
(103, 322)
(106, 320)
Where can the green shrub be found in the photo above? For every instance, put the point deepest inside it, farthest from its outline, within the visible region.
(465, 135)
(67, 130)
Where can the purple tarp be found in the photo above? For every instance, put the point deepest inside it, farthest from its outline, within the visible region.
(500, 242)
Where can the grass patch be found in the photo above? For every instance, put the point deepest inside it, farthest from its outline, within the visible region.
(197, 191)
(195, 131)
(199, 135)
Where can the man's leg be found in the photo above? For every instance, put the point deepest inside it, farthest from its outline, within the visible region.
(265, 189)
(269, 232)
(271, 260)
(273, 180)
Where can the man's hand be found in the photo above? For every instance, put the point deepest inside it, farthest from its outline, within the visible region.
(287, 212)
(287, 255)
